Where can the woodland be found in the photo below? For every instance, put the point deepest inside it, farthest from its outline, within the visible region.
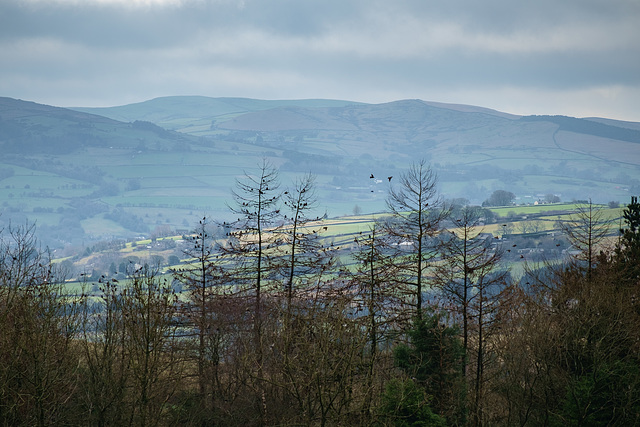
(427, 325)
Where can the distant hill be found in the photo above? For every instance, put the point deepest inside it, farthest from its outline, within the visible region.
(590, 127)
(190, 113)
(95, 173)
(29, 128)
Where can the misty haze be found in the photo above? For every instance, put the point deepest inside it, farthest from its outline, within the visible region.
(319, 213)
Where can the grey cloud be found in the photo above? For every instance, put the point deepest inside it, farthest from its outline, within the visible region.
(359, 49)
(112, 25)
(101, 26)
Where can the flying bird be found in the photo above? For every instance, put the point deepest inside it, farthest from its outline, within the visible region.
(389, 178)
(371, 177)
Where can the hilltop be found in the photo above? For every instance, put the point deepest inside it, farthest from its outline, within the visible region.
(97, 173)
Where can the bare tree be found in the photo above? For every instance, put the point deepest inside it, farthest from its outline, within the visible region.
(417, 213)
(149, 309)
(106, 357)
(302, 248)
(586, 230)
(39, 322)
(251, 251)
(204, 281)
(471, 287)
(376, 298)
(325, 344)
(569, 345)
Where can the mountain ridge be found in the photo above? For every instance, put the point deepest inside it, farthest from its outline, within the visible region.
(89, 176)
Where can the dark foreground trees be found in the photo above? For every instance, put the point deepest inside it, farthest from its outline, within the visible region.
(354, 343)
(569, 349)
(38, 324)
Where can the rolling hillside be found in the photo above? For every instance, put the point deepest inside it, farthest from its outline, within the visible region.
(196, 114)
(97, 173)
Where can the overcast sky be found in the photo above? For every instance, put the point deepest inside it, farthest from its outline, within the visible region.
(574, 57)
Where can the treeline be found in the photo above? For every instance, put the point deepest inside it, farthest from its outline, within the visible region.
(422, 325)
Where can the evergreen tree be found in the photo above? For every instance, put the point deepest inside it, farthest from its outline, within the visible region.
(628, 249)
(433, 358)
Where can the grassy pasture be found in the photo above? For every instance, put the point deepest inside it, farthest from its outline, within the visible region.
(170, 182)
(165, 200)
(612, 215)
(40, 219)
(533, 209)
(600, 148)
(36, 180)
(174, 166)
(101, 226)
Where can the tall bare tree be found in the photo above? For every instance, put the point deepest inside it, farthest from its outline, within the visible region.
(417, 214)
(304, 254)
(251, 251)
(377, 299)
(586, 230)
(471, 286)
(203, 278)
